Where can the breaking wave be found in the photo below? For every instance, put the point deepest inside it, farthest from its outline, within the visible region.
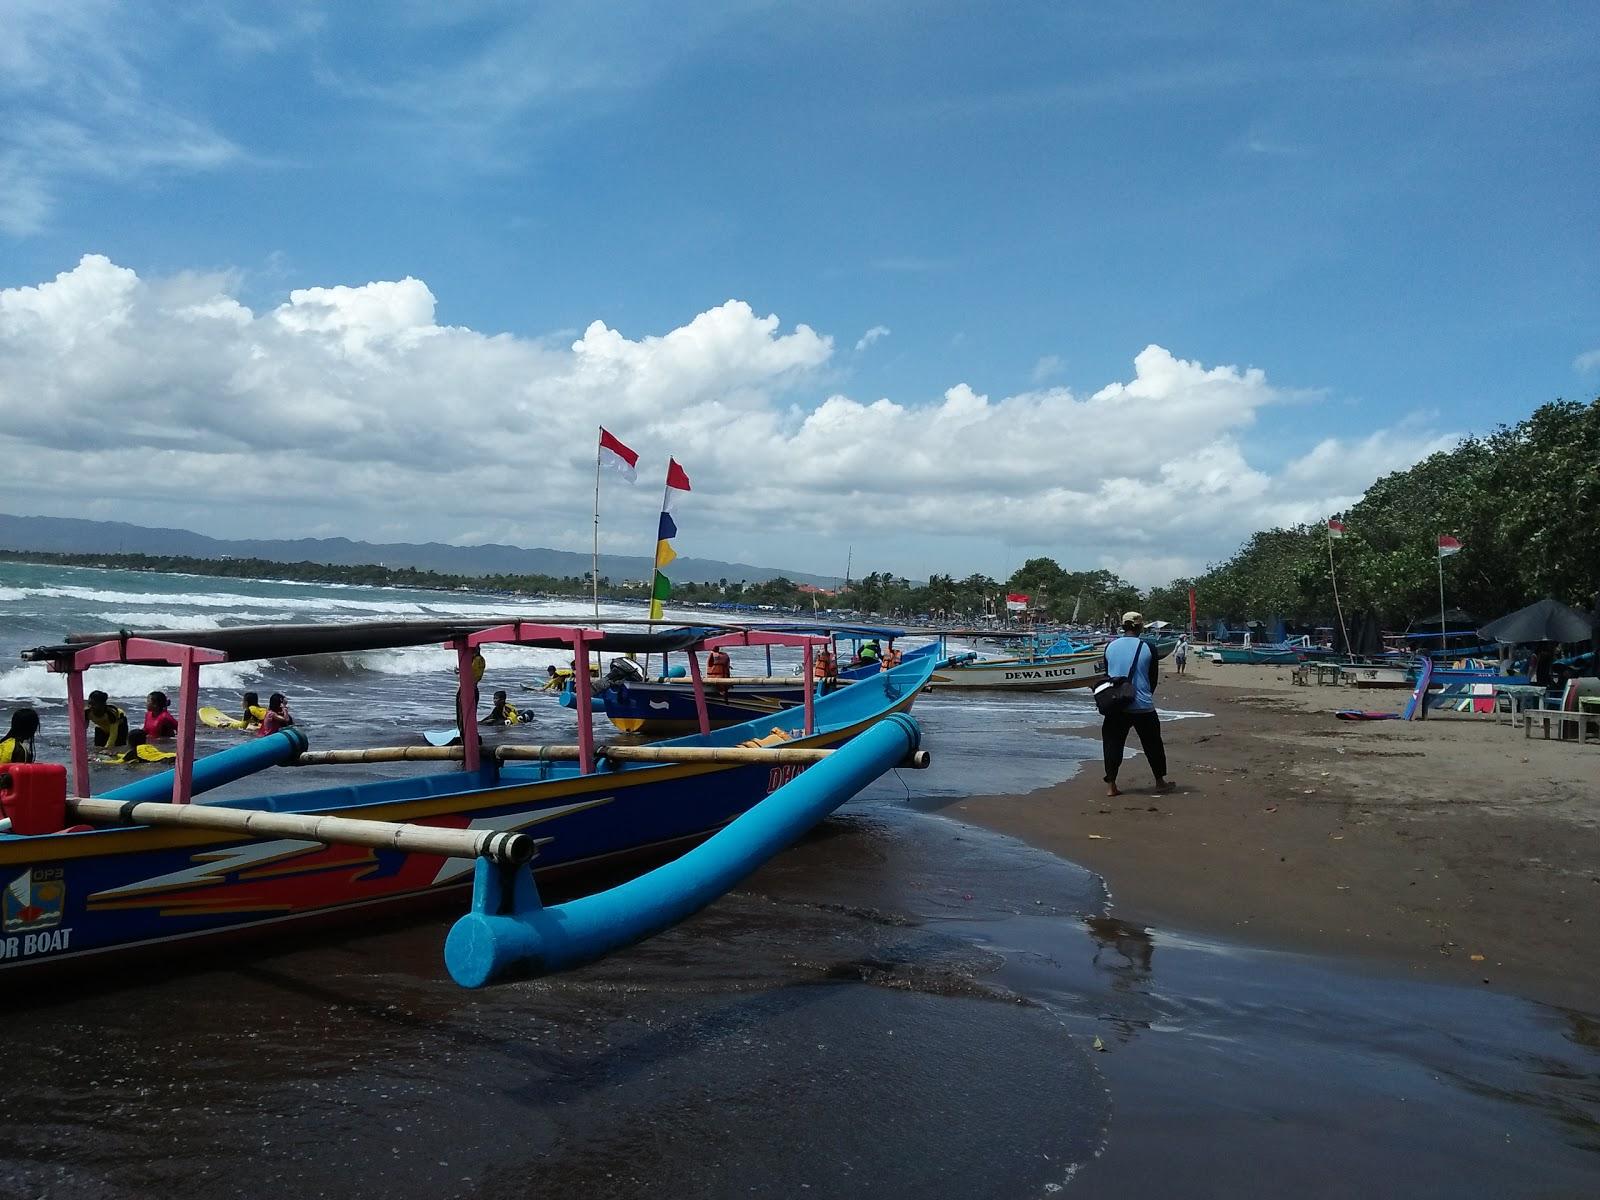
(32, 682)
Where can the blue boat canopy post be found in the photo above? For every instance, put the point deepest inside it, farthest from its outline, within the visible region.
(509, 927)
(142, 652)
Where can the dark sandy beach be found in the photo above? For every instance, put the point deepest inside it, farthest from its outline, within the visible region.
(1452, 849)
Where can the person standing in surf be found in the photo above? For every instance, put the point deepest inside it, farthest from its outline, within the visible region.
(479, 665)
(1132, 658)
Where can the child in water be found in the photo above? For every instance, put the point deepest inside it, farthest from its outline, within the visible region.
(109, 721)
(278, 715)
(252, 710)
(503, 713)
(17, 745)
(158, 719)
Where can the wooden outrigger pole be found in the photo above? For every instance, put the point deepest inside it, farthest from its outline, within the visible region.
(504, 849)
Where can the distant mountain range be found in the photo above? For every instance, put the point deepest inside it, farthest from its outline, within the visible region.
(70, 535)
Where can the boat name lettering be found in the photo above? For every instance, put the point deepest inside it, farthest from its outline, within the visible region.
(778, 776)
(29, 944)
(1046, 673)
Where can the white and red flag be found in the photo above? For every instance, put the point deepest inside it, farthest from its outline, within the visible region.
(1015, 602)
(1448, 545)
(1336, 529)
(677, 481)
(618, 457)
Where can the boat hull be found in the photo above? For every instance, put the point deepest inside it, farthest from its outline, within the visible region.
(71, 898)
(1017, 675)
(667, 709)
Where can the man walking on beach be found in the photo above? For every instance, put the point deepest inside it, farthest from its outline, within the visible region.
(1134, 659)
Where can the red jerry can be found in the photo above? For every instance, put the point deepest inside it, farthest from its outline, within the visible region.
(35, 798)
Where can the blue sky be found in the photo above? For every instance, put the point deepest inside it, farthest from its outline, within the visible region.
(1386, 209)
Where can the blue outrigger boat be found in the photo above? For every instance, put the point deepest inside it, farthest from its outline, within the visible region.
(663, 707)
(142, 869)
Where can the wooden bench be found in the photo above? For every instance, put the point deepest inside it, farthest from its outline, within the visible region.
(1586, 724)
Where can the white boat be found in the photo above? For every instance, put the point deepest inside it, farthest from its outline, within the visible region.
(1017, 674)
(1377, 677)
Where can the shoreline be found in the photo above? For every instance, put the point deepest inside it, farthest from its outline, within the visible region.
(1451, 849)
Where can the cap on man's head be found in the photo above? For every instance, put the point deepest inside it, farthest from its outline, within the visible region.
(1133, 618)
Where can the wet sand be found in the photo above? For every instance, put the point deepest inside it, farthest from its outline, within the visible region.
(1452, 849)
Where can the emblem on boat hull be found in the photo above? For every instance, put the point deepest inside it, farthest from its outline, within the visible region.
(34, 900)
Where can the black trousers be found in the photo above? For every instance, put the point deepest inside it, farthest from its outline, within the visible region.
(1114, 736)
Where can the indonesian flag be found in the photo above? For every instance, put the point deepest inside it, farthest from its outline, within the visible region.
(1336, 529)
(1015, 602)
(677, 479)
(1448, 545)
(618, 457)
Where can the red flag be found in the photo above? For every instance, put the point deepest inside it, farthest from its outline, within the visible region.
(1336, 529)
(1192, 623)
(676, 477)
(617, 456)
(1448, 545)
(1015, 602)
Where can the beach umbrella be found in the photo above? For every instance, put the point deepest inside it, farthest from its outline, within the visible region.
(1366, 635)
(1541, 621)
(1450, 618)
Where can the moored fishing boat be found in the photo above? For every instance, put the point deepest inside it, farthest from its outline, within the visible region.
(666, 707)
(185, 874)
(1016, 674)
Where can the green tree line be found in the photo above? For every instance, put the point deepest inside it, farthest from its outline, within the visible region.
(1524, 502)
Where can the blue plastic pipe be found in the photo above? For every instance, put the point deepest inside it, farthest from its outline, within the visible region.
(214, 770)
(538, 940)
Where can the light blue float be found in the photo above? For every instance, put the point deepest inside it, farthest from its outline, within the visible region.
(509, 927)
(214, 770)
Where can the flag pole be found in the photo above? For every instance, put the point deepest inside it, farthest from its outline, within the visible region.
(594, 573)
(1337, 607)
(666, 494)
(1440, 559)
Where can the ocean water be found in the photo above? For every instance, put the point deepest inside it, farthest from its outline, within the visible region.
(901, 1005)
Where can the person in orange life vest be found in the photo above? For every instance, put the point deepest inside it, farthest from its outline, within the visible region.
(17, 745)
(278, 715)
(158, 719)
(718, 664)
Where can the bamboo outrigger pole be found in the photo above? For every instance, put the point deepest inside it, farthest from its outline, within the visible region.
(508, 849)
(764, 755)
(571, 752)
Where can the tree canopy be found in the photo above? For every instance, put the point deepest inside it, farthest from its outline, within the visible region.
(1524, 501)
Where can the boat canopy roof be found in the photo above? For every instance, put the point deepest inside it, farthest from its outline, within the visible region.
(243, 642)
(825, 628)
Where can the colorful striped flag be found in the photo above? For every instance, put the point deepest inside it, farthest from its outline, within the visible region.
(1448, 545)
(666, 530)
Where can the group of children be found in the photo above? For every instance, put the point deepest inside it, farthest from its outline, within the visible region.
(114, 735)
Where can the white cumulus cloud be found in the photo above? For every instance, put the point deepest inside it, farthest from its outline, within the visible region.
(168, 401)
